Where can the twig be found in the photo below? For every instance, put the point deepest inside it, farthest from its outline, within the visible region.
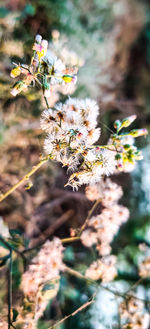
(9, 290)
(25, 178)
(81, 308)
(89, 215)
(135, 284)
(114, 292)
(66, 240)
(50, 230)
(46, 101)
(11, 247)
(70, 239)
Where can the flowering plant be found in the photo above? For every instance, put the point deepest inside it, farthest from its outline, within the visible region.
(71, 133)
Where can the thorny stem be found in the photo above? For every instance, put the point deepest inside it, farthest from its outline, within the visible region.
(25, 178)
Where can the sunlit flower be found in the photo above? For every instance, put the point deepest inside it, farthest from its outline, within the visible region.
(144, 268)
(103, 269)
(44, 267)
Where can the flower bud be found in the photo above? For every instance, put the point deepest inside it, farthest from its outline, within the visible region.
(126, 146)
(118, 156)
(127, 121)
(138, 132)
(69, 78)
(15, 72)
(117, 124)
(18, 87)
(38, 38)
(44, 44)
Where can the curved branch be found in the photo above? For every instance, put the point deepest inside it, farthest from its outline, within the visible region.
(24, 179)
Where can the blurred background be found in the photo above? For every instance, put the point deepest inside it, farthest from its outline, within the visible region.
(110, 43)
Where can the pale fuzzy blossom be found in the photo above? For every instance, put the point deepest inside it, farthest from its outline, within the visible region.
(144, 268)
(44, 267)
(106, 190)
(109, 163)
(103, 269)
(56, 67)
(89, 238)
(48, 120)
(104, 164)
(132, 314)
(72, 131)
(26, 321)
(103, 248)
(103, 227)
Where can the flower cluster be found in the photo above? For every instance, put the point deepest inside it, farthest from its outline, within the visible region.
(41, 282)
(144, 268)
(127, 153)
(107, 191)
(72, 131)
(45, 267)
(104, 269)
(45, 69)
(132, 315)
(102, 228)
(72, 126)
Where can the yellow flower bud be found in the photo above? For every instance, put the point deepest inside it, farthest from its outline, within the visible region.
(138, 132)
(69, 78)
(15, 72)
(127, 121)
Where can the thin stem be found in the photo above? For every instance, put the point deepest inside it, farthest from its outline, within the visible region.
(103, 124)
(5, 243)
(46, 101)
(9, 290)
(10, 247)
(135, 285)
(114, 292)
(65, 240)
(25, 178)
(89, 215)
(81, 308)
(70, 239)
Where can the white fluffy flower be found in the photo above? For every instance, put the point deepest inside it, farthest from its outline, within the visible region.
(56, 67)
